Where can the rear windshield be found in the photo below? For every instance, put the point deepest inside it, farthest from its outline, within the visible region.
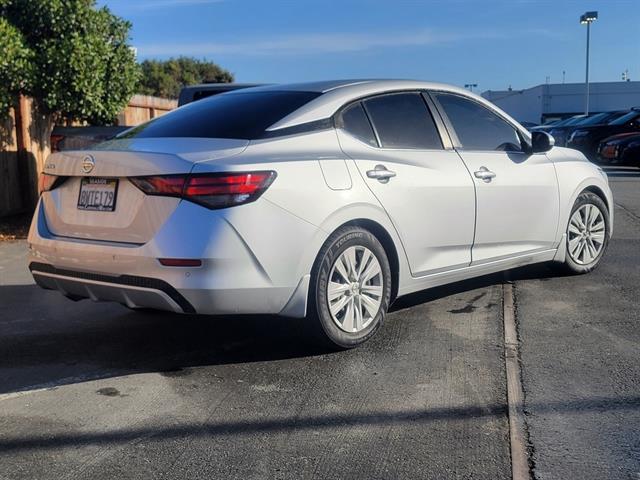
(237, 115)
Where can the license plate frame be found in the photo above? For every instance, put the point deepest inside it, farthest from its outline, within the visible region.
(108, 193)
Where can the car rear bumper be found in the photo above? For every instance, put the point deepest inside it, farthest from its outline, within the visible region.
(132, 291)
(240, 273)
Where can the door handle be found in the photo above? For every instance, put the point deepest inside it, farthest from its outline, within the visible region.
(381, 173)
(485, 174)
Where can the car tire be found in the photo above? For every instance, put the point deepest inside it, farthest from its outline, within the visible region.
(334, 301)
(584, 253)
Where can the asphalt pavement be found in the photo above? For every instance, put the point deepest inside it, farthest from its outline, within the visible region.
(97, 391)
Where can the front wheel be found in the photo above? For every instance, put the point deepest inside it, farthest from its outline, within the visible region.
(350, 288)
(587, 233)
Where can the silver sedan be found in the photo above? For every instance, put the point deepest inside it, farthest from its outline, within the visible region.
(323, 201)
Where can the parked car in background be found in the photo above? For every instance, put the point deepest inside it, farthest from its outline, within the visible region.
(586, 139)
(197, 92)
(322, 201)
(622, 149)
(546, 127)
(529, 125)
(79, 138)
(561, 133)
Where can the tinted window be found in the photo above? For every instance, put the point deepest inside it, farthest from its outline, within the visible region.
(477, 127)
(354, 120)
(594, 119)
(576, 120)
(402, 120)
(235, 115)
(629, 117)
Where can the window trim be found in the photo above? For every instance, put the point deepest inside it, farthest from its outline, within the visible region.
(373, 127)
(435, 115)
(457, 144)
(338, 122)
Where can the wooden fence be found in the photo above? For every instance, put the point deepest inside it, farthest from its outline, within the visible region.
(24, 146)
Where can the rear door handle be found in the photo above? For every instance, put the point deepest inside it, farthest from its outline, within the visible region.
(381, 173)
(485, 174)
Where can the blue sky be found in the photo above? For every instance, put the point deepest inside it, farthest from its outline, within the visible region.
(492, 43)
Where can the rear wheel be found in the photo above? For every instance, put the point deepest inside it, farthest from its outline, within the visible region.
(587, 233)
(350, 288)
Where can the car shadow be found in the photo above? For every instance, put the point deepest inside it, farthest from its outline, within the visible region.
(218, 430)
(47, 340)
(530, 272)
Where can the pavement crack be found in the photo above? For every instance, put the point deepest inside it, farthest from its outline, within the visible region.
(627, 211)
(522, 465)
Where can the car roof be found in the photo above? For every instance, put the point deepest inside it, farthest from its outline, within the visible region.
(221, 86)
(336, 93)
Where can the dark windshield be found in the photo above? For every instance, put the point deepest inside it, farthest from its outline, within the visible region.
(594, 119)
(566, 121)
(626, 118)
(575, 120)
(235, 115)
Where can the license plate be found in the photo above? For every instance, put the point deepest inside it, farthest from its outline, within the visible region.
(98, 194)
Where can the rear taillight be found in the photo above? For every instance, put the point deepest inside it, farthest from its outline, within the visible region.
(170, 186)
(48, 182)
(212, 190)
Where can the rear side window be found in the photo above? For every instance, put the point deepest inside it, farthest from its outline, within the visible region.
(234, 115)
(402, 120)
(477, 127)
(354, 120)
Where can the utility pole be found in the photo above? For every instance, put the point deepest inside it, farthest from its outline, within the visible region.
(470, 86)
(587, 19)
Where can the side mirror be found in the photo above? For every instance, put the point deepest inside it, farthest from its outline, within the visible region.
(541, 142)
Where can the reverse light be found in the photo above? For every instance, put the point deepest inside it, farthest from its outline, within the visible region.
(211, 190)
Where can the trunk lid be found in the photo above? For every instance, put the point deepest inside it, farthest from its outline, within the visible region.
(136, 217)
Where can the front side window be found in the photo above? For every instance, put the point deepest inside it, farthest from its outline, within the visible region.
(477, 127)
(402, 120)
(242, 115)
(354, 120)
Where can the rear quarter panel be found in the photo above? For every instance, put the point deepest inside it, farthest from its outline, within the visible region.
(303, 191)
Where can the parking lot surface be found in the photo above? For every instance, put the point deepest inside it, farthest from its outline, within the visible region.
(97, 391)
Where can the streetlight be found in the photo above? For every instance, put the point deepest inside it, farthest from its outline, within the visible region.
(587, 19)
(470, 86)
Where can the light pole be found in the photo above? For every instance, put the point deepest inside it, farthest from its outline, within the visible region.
(587, 19)
(470, 86)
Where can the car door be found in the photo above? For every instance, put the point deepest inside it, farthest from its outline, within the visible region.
(517, 193)
(415, 174)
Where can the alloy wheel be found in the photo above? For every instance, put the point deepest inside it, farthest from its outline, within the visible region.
(355, 289)
(586, 234)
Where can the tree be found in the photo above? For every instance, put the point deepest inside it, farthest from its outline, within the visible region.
(166, 78)
(15, 64)
(81, 66)
(73, 60)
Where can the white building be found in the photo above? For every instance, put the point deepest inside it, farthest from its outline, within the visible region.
(559, 100)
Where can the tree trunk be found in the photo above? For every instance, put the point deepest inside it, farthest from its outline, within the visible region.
(33, 133)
